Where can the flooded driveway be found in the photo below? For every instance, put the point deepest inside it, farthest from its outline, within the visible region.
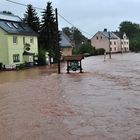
(103, 103)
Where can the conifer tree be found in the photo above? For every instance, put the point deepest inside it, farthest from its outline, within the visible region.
(31, 18)
(48, 33)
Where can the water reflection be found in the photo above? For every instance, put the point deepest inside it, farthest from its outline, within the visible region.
(10, 76)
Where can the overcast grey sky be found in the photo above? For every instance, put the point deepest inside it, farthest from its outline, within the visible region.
(88, 15)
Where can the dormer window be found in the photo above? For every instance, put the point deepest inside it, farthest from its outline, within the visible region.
(15, 25)
(9, 25)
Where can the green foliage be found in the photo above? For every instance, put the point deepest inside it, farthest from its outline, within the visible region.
(31, 18)
(132, 30)
(75, 51)
(85, 49)
(135, 45)
(100, 51)
(20, 66)
(129, 28)
(41, 56)
(49, 34)
(76, 37)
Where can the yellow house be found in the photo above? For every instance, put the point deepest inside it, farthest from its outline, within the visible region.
(18, 42)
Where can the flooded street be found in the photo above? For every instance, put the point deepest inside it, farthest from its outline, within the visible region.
(103, 103)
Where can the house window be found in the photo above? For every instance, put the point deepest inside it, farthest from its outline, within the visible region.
(15, 39)
(110, 43)
(97, 37)
(9, 25)
(114, 42)
(110, 49)
(16, 58)
(121, 42)
(101, 37)
(15, 25)
(114, 48)
(31, 40)
(23, 40)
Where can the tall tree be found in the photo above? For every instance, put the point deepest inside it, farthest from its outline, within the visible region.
(75, 35)
(49, 33)
(129, 28)
(132, 30)
(31, 18)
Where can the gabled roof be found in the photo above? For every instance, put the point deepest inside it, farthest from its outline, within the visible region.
(120, 35)
(106, 34)
(65, 41)
(14, 25)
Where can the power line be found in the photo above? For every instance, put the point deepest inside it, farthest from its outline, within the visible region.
(25, 5)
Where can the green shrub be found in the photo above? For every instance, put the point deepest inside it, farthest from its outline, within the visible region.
(75, 51)
(41, 56)
(20, 66)
(100, 51)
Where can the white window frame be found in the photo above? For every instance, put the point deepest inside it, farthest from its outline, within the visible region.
(31, 40)
(15, 39)
(16, 58)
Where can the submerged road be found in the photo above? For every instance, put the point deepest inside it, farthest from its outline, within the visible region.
(103, 103)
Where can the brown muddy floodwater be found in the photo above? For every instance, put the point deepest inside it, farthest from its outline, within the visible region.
(103, 103)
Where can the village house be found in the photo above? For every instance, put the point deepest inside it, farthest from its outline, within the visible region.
(18, 42)
(65, 44)
(118, 42)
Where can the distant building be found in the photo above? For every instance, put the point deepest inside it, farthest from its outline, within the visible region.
(65, 44)
(118, 42)
(18, 42)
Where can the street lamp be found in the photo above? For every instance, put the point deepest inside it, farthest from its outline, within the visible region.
(109, 45)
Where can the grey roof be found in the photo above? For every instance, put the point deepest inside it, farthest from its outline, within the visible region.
(14, 25)
(120, 35)
(65, 41)
(9, 17)
(106, 34)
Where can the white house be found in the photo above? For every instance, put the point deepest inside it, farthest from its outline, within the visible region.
(118, 42)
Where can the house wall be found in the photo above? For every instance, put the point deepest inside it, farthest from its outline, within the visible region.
(100, 41)
(125, 45)
(3, 47)
(18, 48)
(66, 51)
(114, 44)
(117, 45)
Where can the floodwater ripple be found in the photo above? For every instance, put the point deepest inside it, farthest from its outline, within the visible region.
(100, 104)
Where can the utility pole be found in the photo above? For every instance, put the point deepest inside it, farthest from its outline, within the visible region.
(109, 46)
(58, 46)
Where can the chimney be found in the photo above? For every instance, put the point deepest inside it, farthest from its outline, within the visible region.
(105, 30)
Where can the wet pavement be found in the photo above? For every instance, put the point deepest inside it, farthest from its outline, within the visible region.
(103, 103)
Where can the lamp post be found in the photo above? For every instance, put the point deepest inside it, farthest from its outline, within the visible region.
(58, 46)
(109, 45)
